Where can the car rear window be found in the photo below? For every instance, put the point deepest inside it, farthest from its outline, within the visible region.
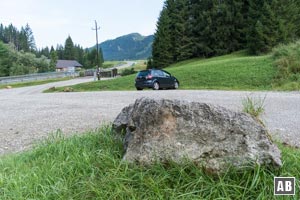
(143, 73)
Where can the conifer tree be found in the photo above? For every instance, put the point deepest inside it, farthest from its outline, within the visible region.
(69, 49)
(194, 28)
(30, 38)
(60, 51)
(53, 60)
(263, 33)
(101, 58)
(5, 64)
(161, 47)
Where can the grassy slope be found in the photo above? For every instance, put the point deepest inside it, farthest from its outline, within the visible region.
(91, 167)
(236, 71)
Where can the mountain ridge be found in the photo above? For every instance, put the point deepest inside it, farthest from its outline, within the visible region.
(133, 46)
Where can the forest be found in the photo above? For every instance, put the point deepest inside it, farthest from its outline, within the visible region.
(204, 28)
(19, 54)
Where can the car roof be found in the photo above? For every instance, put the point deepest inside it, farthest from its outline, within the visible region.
(152, 70)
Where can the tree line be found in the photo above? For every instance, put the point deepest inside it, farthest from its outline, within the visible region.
(71, 51)
(204, 28)
(21, 39)
(19, 55)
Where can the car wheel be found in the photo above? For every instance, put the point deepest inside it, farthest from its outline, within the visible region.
(176, 85)
(139, 88)
(155, 86)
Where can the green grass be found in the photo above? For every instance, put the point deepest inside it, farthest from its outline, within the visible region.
(236, 71)
(90, 166)
(231, 72)
(124, 83)
(32, 83)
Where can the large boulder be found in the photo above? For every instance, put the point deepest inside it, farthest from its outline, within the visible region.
(164, 130)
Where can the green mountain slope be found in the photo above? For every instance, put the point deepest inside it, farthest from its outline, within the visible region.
(128, 47)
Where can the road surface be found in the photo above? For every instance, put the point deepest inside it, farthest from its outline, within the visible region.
(27, 115)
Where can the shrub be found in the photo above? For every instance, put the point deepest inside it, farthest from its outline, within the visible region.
(126, 72)
(287, 60)
(68, 89)
(81, 73)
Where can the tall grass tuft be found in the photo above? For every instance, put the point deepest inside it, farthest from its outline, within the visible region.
(90, 166)
(254, 106)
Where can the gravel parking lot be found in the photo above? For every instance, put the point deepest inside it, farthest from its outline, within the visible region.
(27, 115)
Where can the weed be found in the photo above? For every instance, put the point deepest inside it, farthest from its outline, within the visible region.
(254, 106)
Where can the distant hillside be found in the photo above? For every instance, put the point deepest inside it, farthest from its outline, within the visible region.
(128, 47)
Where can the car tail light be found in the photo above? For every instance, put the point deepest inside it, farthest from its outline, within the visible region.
(149, 77)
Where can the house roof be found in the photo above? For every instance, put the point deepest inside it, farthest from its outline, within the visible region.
(67, 63)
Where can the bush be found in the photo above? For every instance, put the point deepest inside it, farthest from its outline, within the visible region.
(68, 89)
(287, 61)
(126, 72)
(81, 73)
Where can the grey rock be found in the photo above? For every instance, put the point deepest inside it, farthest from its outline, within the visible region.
(164, 130)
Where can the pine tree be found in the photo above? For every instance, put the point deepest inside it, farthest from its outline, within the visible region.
(101, 58)
(92, 57)
(203, 28)
(186, 48)
(30, 38)
(69, 49)
(53, 60)
(180, 27)
(1, 32)
(194, 28)
(79, 54)
(60, 52)
(288, 18)
(5, 64)
(161, 47)
(263, 33)
(45, 52)
(51, 49)
(23, 43)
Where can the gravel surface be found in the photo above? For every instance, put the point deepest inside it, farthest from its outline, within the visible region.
(27, 115)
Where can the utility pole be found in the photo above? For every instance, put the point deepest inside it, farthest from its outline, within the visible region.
(97, 55)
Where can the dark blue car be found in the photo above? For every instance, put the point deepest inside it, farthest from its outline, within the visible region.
(155, 79)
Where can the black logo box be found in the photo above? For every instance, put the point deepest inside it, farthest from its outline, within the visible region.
(284, 185)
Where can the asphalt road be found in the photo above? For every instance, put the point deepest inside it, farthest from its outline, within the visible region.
(27, 115)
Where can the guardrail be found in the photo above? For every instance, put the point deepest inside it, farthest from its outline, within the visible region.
(37, 76)
(111, 72)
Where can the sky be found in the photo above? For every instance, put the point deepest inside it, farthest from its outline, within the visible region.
(52, 21)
